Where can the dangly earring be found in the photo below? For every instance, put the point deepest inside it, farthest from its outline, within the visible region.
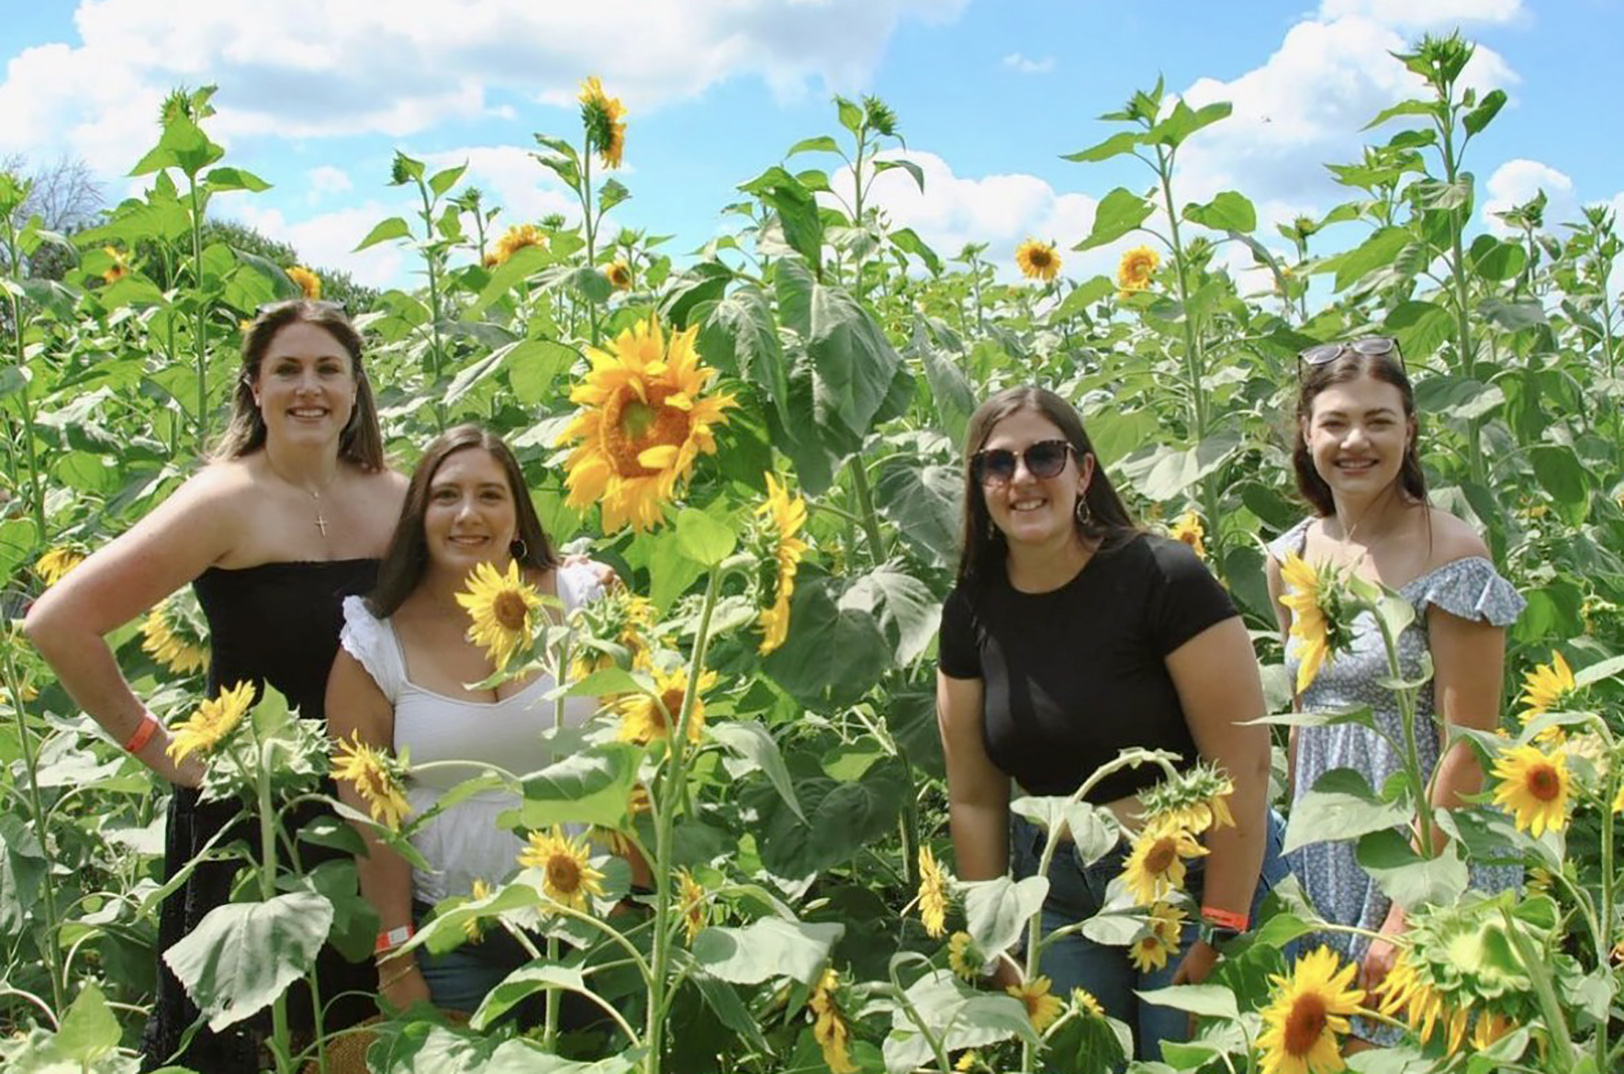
(1083, 512)
(518, 549)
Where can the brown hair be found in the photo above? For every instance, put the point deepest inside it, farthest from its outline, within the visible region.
(408, 556)
(982, 546)
(1350, 366)
(360, 442)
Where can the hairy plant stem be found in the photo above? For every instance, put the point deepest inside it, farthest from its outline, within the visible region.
(40, 820)
(267, 891)
(873, 535)
(1412, 760)
(590, 227)
(431, 260)
(36, 488)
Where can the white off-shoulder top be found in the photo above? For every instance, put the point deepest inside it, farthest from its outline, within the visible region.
(464, 842)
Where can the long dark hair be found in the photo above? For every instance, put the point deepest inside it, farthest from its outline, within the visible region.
(1350, 366)
(361, 441)
(408, 556)
(982, 546)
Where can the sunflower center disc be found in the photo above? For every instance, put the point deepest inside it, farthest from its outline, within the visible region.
(509, 610)
(634, 426)
(1160, 857)
(563, 874)
(673, 704)
(1543, 784)
(1305, 1024)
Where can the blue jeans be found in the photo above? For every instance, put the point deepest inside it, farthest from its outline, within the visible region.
(1077, 892)
(459, 980)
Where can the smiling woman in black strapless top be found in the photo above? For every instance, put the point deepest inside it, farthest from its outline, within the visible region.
(291, 515)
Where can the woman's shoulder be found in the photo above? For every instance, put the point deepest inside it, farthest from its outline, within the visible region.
(1453, 538)
(1293, 540)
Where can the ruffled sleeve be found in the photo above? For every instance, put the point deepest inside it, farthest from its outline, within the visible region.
(1469, 588)
(369, 640)
(1290, 541)
(579, 584)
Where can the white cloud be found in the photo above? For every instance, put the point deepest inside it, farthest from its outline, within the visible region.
(1518, 181)
(512, 178)
(1028, 66)
(328, 240)
(326, 179)
(315, 68)
(1425, 14)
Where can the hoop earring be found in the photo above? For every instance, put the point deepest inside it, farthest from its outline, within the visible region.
(518, 549)
(1083, 512)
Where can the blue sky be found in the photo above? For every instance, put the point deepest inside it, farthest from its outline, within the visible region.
(315, 96)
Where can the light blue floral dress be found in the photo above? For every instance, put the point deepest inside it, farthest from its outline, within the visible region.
(1331, 876)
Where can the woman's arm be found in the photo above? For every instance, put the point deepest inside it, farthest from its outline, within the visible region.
(177, 541)
(977, 790)
(1218, 685)
(356, 707)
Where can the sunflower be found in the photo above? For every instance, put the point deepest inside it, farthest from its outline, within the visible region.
(1156, 864)
(963, 956)
(1149, 951)
(120, 266)
(787, 516)
(1195, 799)
(643, 421)
(642, 719)
(1406, 989)
(1547, 688)
(1489, 1028)
(1189, 529)
(472, 928)
(1315, 602)
(212, 722)
(1533, 788)
(691, 905)
(619, 274)
(1084, 1000)
(932, 894)
(1037, 260)
(604, 118)
(500, 606)
(1310, 1008)
(308, 281)
(512, 241)
(1041, 1008)
(376, 776)
(620, 616)
(637, 802)
(829, 1027)
(968, 1061)
(54, 565)
(567, 875)
(172, 634)
(1135, 270)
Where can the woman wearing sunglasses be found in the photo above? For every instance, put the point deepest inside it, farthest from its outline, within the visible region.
(1357, 466)
(1071, 635)
(291, 514)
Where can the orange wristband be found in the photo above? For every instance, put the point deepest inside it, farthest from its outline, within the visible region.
(1228, 919)
(142, 734)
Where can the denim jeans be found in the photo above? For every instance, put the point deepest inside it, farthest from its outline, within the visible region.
(1078, 892)
(459, 980)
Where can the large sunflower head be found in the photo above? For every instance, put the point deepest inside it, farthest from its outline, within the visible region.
(377, 777)
(1135, 270)
(1041, 1008)
(211, 723)
(1548, 688)
(308, 281)
(55, 564)
(1037, 260)
(780, 519)
(932, 894)
(1307, 1014)
(1155, 866)
(1533, 788)
(512, 241)
(604, 118)
(501, 607)
(1316, 601)
(568, 876)
(643, 719)
(1195, 799)
(175, 634)
(644, 419)
(829, 1026)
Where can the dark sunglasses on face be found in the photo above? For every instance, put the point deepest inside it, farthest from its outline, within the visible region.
(1369, 346)
(1044, 459)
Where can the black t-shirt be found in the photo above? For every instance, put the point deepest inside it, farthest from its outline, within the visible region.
(1076, 674)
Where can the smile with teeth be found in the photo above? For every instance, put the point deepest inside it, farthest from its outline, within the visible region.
(309, 412)
(1355, 464)
(1028, 505)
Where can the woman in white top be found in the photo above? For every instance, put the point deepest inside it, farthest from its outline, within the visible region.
(398, 683)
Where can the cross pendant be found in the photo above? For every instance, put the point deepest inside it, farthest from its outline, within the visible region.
(321, 524)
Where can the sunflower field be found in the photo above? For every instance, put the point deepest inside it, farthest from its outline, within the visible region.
(763, 439)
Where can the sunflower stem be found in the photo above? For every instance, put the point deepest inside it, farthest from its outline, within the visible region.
(1412, 757)
(938, 1046)
(53, 960)
(872, 533)
(1609, 904)
(267, 892)
(1556, 1025)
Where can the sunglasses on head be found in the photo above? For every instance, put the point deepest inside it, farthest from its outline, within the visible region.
(1044, 459)
(316, 303)
(1369, 346)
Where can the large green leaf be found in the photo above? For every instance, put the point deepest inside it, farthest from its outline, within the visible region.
(853, 358)
(1118, 213)
(1229, 211)
(951, 393)
(766, 949)
(1420, 328)
(1114, 146)
(739, 336)
(242, 956)
(1341, 806)
(998, 910)
(1208, 1001)
(797, 210)
(89, 1032)
(1163, 473)
(841, 817)
(960, 1015)
(1184, 121)
(902, 605)
(833, 653)
(1407, 878)
(424, 1047)
(590, 787)
(923, 502)
(753, 743)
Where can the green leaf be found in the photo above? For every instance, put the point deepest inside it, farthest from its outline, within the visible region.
(1561, 474)
(752, 741)
(723, 999)
(1496, 260)
(525, 981)
(1601, 669)
(997, 911)
(1114, 146)
(738, 335)
(1404, 108)
(908, 241)
(534, 364)
(909, 166)
(767, 949)
(951, 393)
(821, 143)
(1420, 328)
(902, 605)
(1479, 117)
(1377, 251)
(1512, 314)
(702, 538)
(854, 360)
(589, 787)
(241, 956)
(392, 228)
(590, 283)
(442, 181)
(1163, 473)
(1079, 298)
(1208, 1001)
(234, 179)
(841, 817)
(522, 265)
(88, 1032)
(1360, 716)
(1341, 806)
(612, 193)
(1407, 878)
(1228, 211)
(923, 502)
(1120, 212)
(797, 210)
(964, 1017)
(1184, 121)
